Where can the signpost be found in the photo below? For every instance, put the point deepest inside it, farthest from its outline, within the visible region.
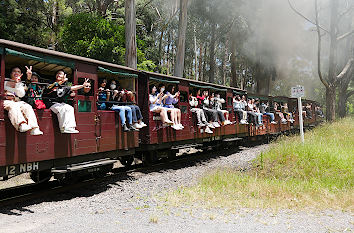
(298, 92)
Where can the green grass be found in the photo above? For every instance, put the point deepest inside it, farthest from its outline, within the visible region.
(317, 174)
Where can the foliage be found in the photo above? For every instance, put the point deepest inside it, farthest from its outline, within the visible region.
(23, 21)
(319, 173)
(147, 65)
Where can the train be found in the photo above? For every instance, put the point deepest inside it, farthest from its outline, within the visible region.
(102, 141)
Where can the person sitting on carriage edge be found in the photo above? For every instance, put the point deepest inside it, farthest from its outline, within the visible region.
(169, 99)
(56, 97)
(239, 108)
(264, 109)
(137, 116)
(125, 113)
(154, 98)
(193, 102)
(34, 92)
(217, 102)
(21, 114)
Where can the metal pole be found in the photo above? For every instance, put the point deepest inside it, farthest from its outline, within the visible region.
(301, 122)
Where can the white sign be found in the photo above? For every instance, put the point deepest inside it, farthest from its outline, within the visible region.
(297, 92)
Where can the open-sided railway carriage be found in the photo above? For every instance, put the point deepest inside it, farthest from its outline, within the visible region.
(102, 141)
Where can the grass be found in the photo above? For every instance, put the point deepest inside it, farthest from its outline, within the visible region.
(290, 175)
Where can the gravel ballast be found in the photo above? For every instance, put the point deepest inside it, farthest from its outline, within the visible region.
(129, 203)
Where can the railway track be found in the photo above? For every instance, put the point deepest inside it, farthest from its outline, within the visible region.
(32, 192)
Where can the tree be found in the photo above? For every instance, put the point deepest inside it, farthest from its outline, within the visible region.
(130, 34)
(333, 77)
(179, 66)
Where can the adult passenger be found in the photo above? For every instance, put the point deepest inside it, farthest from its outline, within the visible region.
(201, 119)
(170, 98)
(21, 114)
(156, 107)
(239, 109)
(211, 113)
(264, 109)
(279, 113)
(34, 92)
(125, 113)
(217, 103)
(56, 96)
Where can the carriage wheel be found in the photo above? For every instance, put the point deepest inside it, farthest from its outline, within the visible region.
(41, 176)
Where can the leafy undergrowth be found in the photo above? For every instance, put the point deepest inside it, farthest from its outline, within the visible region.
(290, 175)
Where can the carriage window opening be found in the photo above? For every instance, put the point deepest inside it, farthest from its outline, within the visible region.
(84, 106)
(183, 98)
(229, 101)
(184, 109)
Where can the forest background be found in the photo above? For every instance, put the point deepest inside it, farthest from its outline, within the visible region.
(265, 47)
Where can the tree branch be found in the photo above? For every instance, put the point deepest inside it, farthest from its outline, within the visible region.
(345, 69)
(350, 93)
(319, 49)
(307, 19)
(345, 12)
(148, 3)
(345, 35)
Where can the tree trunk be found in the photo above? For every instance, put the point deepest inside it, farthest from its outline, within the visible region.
(212, 53)
(205, 63)
(224, 70)
(130, 34)
(342, 103)
(233, 63)
(182, 26)
(330, 103)
(195, 55)
(200, 65)
(53, 38)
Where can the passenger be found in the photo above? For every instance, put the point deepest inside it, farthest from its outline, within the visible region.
(211, 113)
(136, 113)
(202, 122)
(319, 111)
(169, 99)
(264, 109)
(289, 116)
(217, 102)
(21, 114)
(103, 95)
(34, 92)
(239, 109)
(56, 96)
(125, 112)
(308, 110)
(279, 113)
(252, 114)
(257, 112)
(157, 108)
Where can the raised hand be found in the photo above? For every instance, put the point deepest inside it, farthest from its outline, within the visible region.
(29, 72)
(18, 79)
(65, 78)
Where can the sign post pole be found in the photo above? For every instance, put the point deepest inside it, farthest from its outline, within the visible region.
(301, 122)
(298, 92)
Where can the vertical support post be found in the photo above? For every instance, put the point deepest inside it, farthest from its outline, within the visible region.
(301, 122)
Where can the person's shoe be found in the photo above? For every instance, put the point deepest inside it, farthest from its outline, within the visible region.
(125, 128)
(169, 122)
(180, 126)
(273, 122)
(24, 128)
(216, 124)
(70, 130)
(201, 124)
(210, 125)
(36, 131)
(137, 126)
(175, 127)
(132, 128)
(207, 130)
(142, 124)
(227, 122)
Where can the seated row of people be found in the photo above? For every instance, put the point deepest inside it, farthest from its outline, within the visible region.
(253, 110)
(21, 113)
(121, 101)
